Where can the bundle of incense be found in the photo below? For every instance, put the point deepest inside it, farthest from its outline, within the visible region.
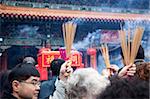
(130, 47)
(69, 30)
(105, 54)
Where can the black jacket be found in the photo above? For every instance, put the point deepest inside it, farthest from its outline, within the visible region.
(7, 95)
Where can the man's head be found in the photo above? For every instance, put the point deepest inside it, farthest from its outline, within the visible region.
(24, 81)
(55, 66)
(143, 71)
(29, 60)
(133, 88)
(85, 83)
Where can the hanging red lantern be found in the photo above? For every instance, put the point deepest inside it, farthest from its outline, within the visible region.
(91, 51)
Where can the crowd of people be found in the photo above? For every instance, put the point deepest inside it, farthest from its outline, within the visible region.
(128, 82)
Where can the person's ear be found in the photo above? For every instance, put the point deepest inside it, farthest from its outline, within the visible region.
(15, 85)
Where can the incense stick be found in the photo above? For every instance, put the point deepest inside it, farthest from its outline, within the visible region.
(128, 46)
(69, 29)
(105, 54)
(130, 52)
(124, 45)
(136, 43)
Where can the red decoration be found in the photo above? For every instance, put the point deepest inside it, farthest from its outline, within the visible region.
(45, 56)
(76, 59)
(43, 72)
(91, 51)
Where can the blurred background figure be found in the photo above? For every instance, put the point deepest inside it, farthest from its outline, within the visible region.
(48, 87)
(29, 60)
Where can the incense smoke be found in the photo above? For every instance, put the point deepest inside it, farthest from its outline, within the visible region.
(91, 40)
(26, 31)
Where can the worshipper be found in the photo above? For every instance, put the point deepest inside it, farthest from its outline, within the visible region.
(128, 70)
(65, 72)
(135, 87)
(124, 88)
(143, 71)
(48, 87)
(85, 83)
(24, 81)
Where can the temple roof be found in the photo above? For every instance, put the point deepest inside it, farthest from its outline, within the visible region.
(12, 11)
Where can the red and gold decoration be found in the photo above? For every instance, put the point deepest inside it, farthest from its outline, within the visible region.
(46, 56)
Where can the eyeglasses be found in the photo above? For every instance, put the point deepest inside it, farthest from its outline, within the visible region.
(33, 83)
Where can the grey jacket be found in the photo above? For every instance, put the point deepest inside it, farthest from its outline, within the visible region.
(60, 90)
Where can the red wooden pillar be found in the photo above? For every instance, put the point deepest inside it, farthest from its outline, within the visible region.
(92, 53)
(3, 61)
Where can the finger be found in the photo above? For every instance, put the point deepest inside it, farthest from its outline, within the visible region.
(112, 69)
(133, 65)
(66, 63)
(69, 69)
(115, 67)
(128, 66)
(63, 69)
(128, 74)
(132, 69)
(69, 62)
(67, 73)
(131, 72)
